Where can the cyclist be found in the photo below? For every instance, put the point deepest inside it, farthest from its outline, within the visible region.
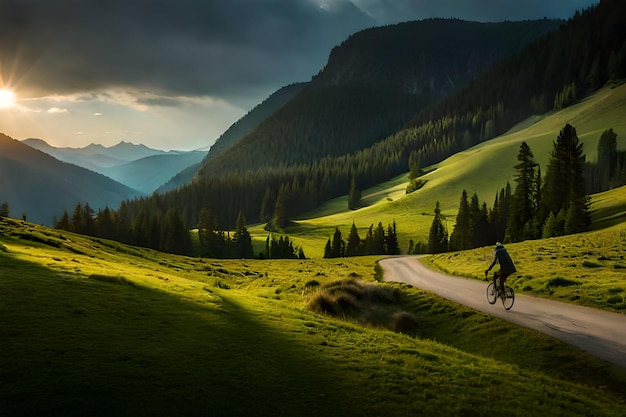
(502, 257)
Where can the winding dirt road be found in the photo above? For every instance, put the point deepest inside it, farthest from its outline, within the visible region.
(598, 332)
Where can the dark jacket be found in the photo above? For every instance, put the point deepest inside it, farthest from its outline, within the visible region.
(502, 257)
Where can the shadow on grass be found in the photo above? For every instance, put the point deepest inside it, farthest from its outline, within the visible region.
(73, 347)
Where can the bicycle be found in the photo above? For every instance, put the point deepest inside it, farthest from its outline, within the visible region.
(493, 293)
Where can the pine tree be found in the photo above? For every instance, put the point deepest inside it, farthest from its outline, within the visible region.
(64, 223)
(89, 224)
(564, 181)
(327, 250)
(523, 201)
(174, 234)
(481, 232)
(607, 160)
(354, 195)
(392, 240)
(438, 236)
(337, 248)
(461, 237)
(267, 204)
(242, 241)
(280, 218)
(379, 240)
(354, 242)
(105, 224)
(77, 219)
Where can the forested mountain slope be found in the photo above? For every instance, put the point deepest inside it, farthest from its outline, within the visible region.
(236, 132)
(253, 118)
(551, 73)
(373, 83)
(35, 183)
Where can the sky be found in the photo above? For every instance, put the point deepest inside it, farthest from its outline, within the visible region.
(175, 74)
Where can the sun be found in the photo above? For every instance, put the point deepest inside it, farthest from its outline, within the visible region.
(7, 99)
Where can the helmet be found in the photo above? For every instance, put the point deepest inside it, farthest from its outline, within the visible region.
(499, 245)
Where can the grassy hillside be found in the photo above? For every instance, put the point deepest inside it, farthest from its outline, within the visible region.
(93, 327)
(483, 169)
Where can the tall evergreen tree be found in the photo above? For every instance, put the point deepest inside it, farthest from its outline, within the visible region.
(393, 248)
(64, 223)
(267, 204)
(280, 218)
(354, 242)
(523, 206)
(564, 181)
(77, 219)
(461, 236)
(337, 248)
(379, 240)
(607, 160)
(354, 195)
(242, 241)
(174, 234)
(327, 250)
(105, 224)
(89, 223)
(438, 236)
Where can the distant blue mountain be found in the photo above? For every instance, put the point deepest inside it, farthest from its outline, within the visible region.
(42, 187)
(136, 166)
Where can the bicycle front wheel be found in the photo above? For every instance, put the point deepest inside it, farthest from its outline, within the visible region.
(491, 293)
(509, 298)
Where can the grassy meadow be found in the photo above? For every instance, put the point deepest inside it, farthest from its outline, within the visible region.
(587, 268)
(94, 327)
(483, 169)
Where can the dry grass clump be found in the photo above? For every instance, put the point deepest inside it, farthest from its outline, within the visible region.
(353, 298)
(404, 322)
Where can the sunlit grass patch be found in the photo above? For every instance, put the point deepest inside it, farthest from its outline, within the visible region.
(577, 268)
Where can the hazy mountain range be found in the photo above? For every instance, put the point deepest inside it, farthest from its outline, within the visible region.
(136, 166)
(41, 187)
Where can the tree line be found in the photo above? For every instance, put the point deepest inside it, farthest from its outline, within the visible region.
(536, 208)
(550, 73)
(168, 232)
(375, 242)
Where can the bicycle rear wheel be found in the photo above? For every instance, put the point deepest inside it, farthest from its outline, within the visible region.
(491, 293)
(509, 298)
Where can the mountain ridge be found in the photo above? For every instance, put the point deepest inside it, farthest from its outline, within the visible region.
(42, 187)
(136, 166)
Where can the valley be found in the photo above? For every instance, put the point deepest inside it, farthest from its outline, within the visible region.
(230, 282)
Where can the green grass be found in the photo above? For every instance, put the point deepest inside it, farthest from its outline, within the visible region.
(483, 169)
(587, 268)
(92, 327)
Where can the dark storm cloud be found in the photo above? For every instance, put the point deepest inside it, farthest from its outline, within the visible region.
(182, 47)
(235, 49)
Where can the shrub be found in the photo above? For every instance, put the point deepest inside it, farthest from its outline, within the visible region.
(404, 322)
(322, 303)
